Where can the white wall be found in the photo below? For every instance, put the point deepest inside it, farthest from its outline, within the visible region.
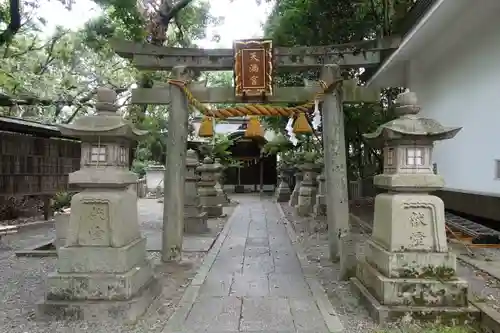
(459, 85)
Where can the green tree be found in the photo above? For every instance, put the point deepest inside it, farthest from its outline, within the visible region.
(312, 22)
(55, 79)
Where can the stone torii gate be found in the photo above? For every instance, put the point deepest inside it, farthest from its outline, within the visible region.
(254, 85)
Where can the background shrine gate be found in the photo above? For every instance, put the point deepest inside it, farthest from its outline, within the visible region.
(183, 62)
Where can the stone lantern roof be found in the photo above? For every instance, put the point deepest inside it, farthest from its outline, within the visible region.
(407, 143)
(208, 165)
(106, 123)
(106, 138)
(409, 126)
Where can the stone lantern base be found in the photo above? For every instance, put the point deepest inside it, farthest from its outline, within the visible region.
(213, 210)
(221, 195)
(195, 221)
(122, 296)
(294, 197)
(407, 268)
(319, 209)
(210, 202)
(102, 272)
(383, 314)
(320, 205)
(282, 193)
(306, 201)
(308, 189)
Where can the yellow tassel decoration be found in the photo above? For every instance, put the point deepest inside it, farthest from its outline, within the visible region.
(253, 128)
(206, 128)
(301, 125)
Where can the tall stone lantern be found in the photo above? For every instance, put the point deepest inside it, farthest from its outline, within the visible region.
(206, 188)
(195, 220)
(408, 268)
(102, 271)
(308, 188)
(221, 196)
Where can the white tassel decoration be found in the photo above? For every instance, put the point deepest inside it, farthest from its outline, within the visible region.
(289, 131)
(316, 122)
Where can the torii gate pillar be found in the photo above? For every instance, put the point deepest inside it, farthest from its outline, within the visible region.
(335, 163)
(175, 171)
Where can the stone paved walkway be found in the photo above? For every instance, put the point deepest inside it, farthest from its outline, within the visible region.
(256, 282)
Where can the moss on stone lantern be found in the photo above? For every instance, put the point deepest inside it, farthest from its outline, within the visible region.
(408, 268)
(102, 269)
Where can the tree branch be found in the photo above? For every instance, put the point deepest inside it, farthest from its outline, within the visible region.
(14, 25)
(50, 57)
(168, 11)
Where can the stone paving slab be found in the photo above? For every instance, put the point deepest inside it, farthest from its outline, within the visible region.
(255, 283)
(220, 314)
(189, 243)
(266, 314)
(250, 284)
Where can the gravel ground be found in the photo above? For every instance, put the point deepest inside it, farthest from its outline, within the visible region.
(22, 285)
(22, 220)
(482, 286)
(22, 282)
(314, 239)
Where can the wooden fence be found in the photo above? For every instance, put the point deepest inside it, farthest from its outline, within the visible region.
(31, 165)
(35, 160)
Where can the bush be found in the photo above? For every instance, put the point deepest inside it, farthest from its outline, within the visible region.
(139, 167)
(61, 201)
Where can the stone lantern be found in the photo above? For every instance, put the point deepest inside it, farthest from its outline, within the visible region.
(408, 268)
(195, 221)
(320, 205)
(283, 193)
(102, 271)
(221, 196)
(206, 188)
(308, 189)
(294, 197)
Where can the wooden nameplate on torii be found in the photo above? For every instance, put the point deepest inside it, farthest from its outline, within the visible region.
(253, 67)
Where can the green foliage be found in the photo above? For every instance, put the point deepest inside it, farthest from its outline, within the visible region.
(311, 22)
(153, 147)
(59, 75)
(279, 145)
(54, 78)
(61, 201)
(139, 167)
(219, 148)
(123, 17)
